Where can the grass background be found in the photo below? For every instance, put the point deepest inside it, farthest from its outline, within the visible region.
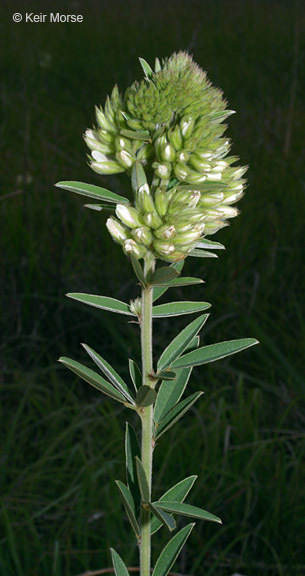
(62, 443)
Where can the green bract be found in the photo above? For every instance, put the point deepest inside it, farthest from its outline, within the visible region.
(167, 132)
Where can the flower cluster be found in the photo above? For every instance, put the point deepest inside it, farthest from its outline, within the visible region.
(168, 127)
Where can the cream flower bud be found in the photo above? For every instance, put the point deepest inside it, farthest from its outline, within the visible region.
(152, 220)
(161, 201)
(163, 248)
(163, 171)
(211, 199)
(128, 215)
(166, 232)
(175, 137)
(132, 247)
(125, 158)
(103, 122)
(144, 199)
(142, 235)
(116, 230)
(187, 126)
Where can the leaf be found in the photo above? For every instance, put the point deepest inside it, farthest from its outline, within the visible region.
(92, 378)
(206, 186)
(142, 479)
(92, 191)
(102, 302)
(170, 553)
(146, 68)
(145, 396)
(118, 564)
(135, 374)
(176, 413)
(138, 270)
(206, 244)
(177, 493)
(170, 393)
(178, 344)
(132, 449)
(178, 308)
(129, 506)
(176, 282)
(213, 352)
(163, 517)
(163, 275)
(138, 176)
(136, 134)
(186, 510)
(159, 291)
(110, 372)
(202, 254)
(166, 375)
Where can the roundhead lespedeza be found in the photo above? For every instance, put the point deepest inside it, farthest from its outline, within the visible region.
(167, 134)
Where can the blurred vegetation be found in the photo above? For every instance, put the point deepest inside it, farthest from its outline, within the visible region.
(62, 442)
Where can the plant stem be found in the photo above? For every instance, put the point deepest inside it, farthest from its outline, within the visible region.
(147, 419)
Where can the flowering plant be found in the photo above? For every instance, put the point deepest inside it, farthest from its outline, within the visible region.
(167, 134)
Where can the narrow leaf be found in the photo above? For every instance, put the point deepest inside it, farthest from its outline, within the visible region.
(163, 517)
(177, 493)
(213, 352)
(135, 374)
(110, 372)
(176, 413)
(166, 375)
(186, 510)
(206, 244)
(142, 479)
(138, 270)
(92, 191)
(176, 282)
(178, 344)
(146, 68)
(132, 449)
(118, 564)
(206, 186)
(202, 254)
(178, 308)
(159, 291)
(93, 378)
(102, 302)
(163, 275)
(129, 506)
(170, 393)
(145, 396)
(171, 551)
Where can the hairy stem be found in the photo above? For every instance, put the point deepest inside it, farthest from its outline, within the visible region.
(147, 420)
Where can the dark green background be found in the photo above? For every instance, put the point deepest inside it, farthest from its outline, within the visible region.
(63, 443)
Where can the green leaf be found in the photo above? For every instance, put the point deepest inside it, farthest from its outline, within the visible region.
(166, 375)
(213, 352)
(202, 254)
(178, 344)
(110, 372)
(146, 68)
(177, 493)
(206, 244)
(176, 413)
(171, 551)
(145, 396)
(178, 308)
(118, 564)
(92, 378)
(142, 479)
(129, 506)
(186, 510)
(135, 374)
(206, 186)
(159, 291)
(132, 449)
(138, 176)
(92, 191)
(138, 270)
(182, 281)
(163, 275)
(102, 302)
(166, 519)
(170, 393)
(136, 134)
